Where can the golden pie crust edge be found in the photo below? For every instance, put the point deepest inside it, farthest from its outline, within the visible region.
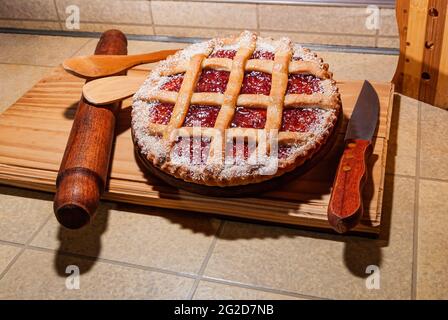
(211, 175)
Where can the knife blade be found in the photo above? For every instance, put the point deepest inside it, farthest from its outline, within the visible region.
(345, 208)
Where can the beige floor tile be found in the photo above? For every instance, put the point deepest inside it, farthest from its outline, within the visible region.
(203, 14)
(312, 18)
(159, 238)
(322, 265)
(29, 9)
(315, 38)
(115, 11)
(125, 28)
(7, 253)
(16, 80)
(136, 47)
(42, 275)
(358, 66)
(37, 50)
(432, 257)
(191, 32)
(22, 212)
(386, 42)
(434, 145)
(388, 23)
(30, 24)
(217, 291)
(402, 145)
(146, 46)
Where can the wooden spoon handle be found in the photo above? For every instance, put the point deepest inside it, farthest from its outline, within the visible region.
(83, 172)
(137, 59)
(111, 89)
(346, 208)
(98, 66)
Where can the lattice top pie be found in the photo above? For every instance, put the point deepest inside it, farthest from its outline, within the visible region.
(235, 111)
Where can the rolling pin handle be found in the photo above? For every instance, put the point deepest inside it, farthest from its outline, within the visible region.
(85, 165)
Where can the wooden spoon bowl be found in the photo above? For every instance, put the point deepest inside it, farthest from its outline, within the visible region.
(103, 65)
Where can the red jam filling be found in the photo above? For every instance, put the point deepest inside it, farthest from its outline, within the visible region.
(174, 82)
(212, 81)
(161, 113)
(230, 54)
(205, 116)
(237, 152)
(284, 151)
(298, 120)
(263, 55)
(302, 83)
(195, 155)
(256, 82)
(249, 118)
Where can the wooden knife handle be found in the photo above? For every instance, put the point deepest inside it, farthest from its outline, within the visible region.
(346, 208)
(84, 168)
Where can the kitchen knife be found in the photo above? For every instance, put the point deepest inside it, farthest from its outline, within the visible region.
(346, 208)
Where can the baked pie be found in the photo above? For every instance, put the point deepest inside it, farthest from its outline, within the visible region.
(235, 111)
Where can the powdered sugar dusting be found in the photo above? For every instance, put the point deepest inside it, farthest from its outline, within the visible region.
(321, 125)
(194, 49)
(266, 45)
(245, 39)
(304, 54)
(270, 45)
(141, 113)
(158, 151)
(325, 118)
(155, 79)
(328, 87)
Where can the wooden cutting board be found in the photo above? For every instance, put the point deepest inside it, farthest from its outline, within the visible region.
(34, 132)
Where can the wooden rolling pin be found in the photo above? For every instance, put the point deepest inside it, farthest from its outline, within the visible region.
(83, 173)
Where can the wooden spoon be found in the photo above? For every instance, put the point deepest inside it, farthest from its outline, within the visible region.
(104, 65)
(111, 89)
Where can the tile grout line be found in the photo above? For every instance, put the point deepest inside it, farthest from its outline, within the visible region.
(82, 47)
(416, 207)
(198, 277)
(413, 177)
(156, 38)
(173, 273)
(57, 14)
(433, 179)
(377, 32)
(28, 19)
(261, 288)
(166, 271)
(298, 3)
(258, 28)
(152, 18)
(28, 64)
(12, 243)
(24, 247)
(179, 274)
(399, 175)
(114, 262)
(371, 35)
(205, 261)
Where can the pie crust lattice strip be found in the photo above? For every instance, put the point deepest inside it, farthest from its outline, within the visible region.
(235, 111)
